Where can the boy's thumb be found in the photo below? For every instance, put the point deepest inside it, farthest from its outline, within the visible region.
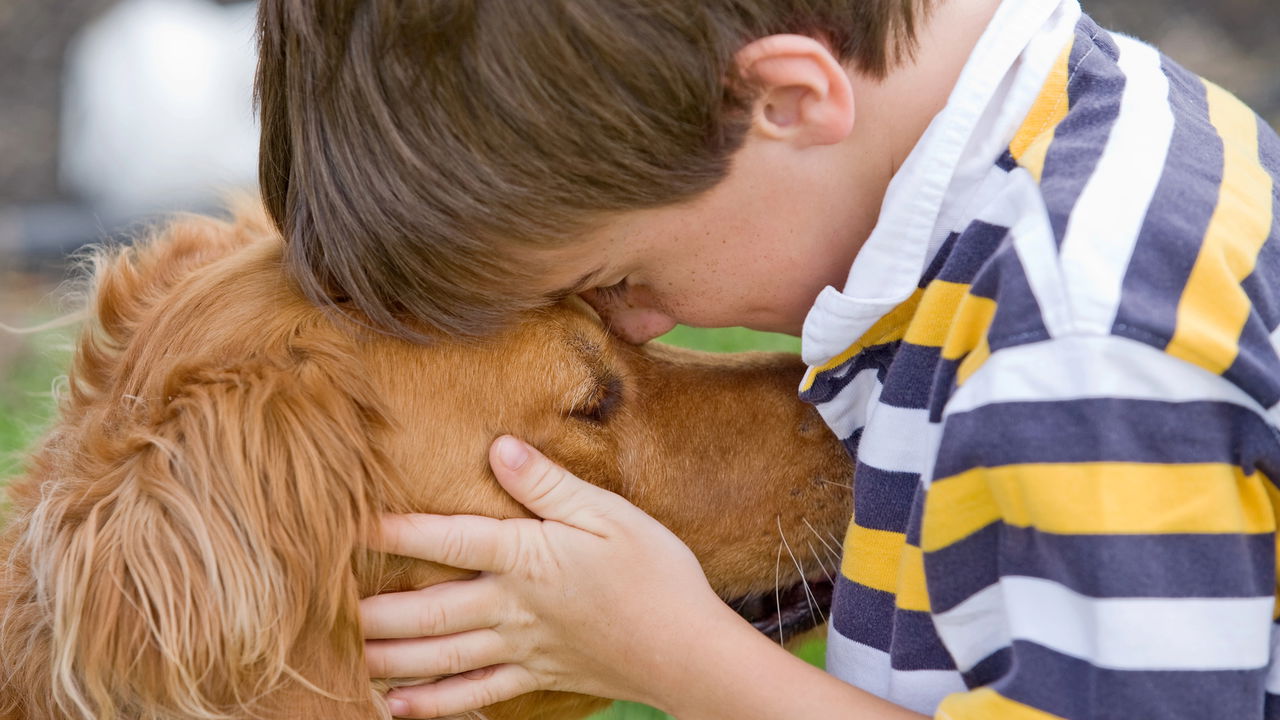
(547, 489)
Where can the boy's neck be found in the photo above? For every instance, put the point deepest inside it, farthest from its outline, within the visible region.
(893, 113)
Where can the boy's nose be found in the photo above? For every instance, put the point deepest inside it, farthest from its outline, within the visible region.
(636, 325)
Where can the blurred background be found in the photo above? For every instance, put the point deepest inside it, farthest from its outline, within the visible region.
(112, 111)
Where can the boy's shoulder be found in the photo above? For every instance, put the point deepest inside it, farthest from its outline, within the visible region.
(1141, 204)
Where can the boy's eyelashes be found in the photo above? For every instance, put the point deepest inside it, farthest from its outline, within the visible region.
(615, 291)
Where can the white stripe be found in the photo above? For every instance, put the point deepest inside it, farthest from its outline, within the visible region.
(1037, 250)
(899, 440)
(1115, 633)
(1073, 367)
(1110, 211)
(848, 410)
(868, 668)
(975, 628)
(1274, 410)
(1273, 672)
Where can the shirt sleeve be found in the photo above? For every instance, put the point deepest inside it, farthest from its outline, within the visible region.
(1099, 537)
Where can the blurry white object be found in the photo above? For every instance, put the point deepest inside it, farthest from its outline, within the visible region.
(158, 109)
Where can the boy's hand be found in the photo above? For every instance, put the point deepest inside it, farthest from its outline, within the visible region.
(597, 597)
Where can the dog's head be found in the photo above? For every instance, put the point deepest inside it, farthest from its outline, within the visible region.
(187, 539)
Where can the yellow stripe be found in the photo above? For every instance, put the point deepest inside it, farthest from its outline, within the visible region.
(969, 329)
(871, 557)
(938, 306)
(1214, 307)
(987, 704)
(973, 361)
(882, 560)
(887, 329)
(1273, 494)
(1098, 498)
(913, 594)
(1031, 143)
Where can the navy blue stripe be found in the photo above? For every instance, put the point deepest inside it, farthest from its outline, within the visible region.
(955, 573)
(940, 259)
(1094, 90)
(1101, 38)
(1168, 566)
(906, 385)
(1006, 161)
(974, 247)
(1256, 369)
(1102, 430)
(1105, 566)
(863, 614)
(944, 382)
(989, 669)
(1017, 320)
(915, 644)
(851, 444)
(1073, 689)
(828, 384)
(882, 499)
(1178, 218)
(1263, 284)
(915, 519)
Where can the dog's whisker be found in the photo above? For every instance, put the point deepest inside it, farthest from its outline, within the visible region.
(819, 536)
(818, 557)
(777, 591)
(834, 539)
(804, 581)
(846, 486)
(832, 554)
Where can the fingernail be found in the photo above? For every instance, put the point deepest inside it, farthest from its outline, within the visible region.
(512, 452)
(398, 706)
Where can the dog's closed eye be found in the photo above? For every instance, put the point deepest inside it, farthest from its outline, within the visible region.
(599, 401)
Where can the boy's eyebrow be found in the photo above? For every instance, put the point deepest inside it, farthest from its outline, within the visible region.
(586, 282)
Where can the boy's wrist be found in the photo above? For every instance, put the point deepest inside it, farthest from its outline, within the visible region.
(743, 674)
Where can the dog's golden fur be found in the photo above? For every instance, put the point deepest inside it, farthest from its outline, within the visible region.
(186, 540)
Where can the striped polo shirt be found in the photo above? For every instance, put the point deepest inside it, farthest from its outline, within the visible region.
(1055, 363)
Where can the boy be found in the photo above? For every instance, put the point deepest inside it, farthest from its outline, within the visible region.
(1052, 356)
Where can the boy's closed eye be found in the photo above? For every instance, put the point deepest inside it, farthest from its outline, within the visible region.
(612, 293)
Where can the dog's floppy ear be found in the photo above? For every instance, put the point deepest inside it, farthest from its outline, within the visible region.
(201, 561)
(127, 281)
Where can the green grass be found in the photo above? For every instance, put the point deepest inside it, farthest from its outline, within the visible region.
(734, 339)
(26, 394)
(26, 405)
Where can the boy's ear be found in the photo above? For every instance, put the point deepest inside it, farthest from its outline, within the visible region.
(803, 94)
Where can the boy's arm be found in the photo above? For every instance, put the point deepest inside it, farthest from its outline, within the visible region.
(597, 598)
(1099, 536)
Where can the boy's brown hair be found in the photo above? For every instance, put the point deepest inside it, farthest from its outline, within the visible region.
(417, 153)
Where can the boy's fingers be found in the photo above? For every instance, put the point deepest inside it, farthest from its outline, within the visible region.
(443, 609)
(471, 542)
(435, 656)
(549, 490)
(462, 693)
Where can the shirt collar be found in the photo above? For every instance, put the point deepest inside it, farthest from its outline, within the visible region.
(993, 94)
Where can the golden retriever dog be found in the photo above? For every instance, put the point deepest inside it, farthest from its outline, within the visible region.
(186, 541)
